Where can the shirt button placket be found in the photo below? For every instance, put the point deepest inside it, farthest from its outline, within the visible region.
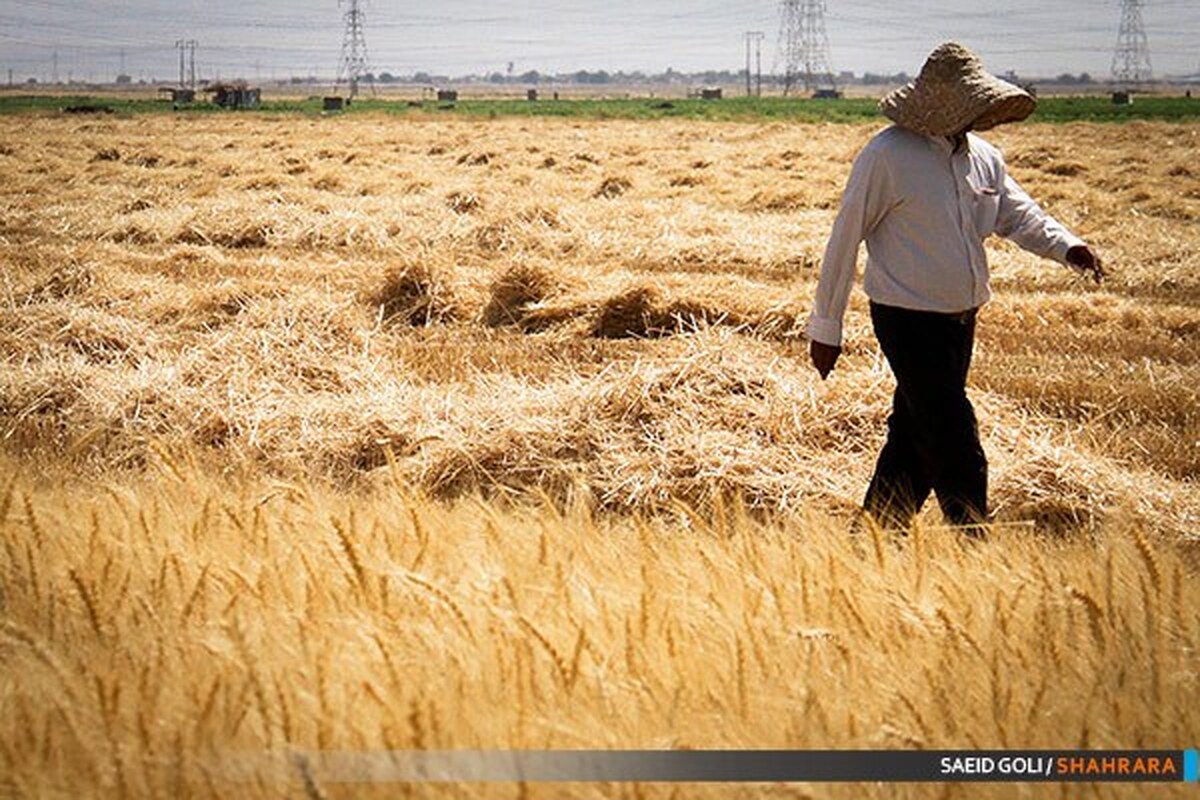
(962, 168)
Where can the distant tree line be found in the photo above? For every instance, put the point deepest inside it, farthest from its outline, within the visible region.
(602, 77)
(583, 76)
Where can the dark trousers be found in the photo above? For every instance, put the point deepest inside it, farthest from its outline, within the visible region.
(933, 441)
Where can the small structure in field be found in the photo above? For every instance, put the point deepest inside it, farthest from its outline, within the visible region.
(334, 103)
(827, 94)
(235, 95)
(1122, 98)
(711, 93)
(87, 109)
(531, 95)
(447, 95)
(180, 97)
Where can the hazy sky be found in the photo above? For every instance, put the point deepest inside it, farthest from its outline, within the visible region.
(265, 38)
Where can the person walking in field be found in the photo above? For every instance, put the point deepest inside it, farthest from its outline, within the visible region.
(924, 194)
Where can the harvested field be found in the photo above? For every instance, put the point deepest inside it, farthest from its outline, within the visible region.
(263, 289)
(220, 335)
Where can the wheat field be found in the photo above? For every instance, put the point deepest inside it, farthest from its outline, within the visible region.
(359, 433)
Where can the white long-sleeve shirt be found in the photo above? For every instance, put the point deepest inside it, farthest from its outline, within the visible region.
(924, 209)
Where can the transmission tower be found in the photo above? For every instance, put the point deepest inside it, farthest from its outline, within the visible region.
(1131, 57)
(804, 45)
(354, 48)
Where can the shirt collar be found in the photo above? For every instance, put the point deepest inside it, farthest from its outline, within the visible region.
(944, 145)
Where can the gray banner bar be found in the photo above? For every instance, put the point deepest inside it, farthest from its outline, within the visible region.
(473, 766)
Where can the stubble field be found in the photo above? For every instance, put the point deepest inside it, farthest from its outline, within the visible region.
(368, 433)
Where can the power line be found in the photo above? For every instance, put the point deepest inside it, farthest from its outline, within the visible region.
(871, 35)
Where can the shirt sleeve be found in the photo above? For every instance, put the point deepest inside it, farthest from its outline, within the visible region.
(1023, 221)
(864, 202)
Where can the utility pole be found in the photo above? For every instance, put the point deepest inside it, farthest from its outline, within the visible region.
(1131, 56)
(804, 46)
(187, 62)
(122, 72)
(54, 69)
(748, 36)
(353, 63)
(756, 38)
(758, 65)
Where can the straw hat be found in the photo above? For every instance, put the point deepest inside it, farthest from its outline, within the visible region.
(954, 92)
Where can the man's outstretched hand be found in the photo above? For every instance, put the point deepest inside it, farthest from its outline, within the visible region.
(824, 356)
(1085, 259)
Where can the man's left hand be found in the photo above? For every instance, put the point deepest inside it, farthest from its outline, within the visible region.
(824, 357)
(1085, 259)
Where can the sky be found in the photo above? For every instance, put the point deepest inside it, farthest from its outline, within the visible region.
(263, 39)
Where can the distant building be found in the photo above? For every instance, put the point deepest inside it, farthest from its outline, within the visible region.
(180, 97)
(235, 95)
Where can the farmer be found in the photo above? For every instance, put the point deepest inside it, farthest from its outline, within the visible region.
(925, 193)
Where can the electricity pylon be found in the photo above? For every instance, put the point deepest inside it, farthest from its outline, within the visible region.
(1131, 57)
(353, 64)
(804, 45)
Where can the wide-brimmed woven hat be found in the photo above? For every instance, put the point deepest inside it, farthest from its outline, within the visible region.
(954, 92)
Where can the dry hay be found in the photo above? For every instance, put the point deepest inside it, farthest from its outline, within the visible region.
(219, 305)
(613, 186)
(241, 235)
(107, 154)
(414, 294)
(643, 311)
(222, 301)
(515, 290)
(686, 181)
(779, 201)
(476, 159)
(68, 280)
(463, 202)
(638, 437)
(639, 311)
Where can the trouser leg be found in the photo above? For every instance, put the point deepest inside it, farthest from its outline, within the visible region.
(900, 484)
(961, 482)
(930, 355)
